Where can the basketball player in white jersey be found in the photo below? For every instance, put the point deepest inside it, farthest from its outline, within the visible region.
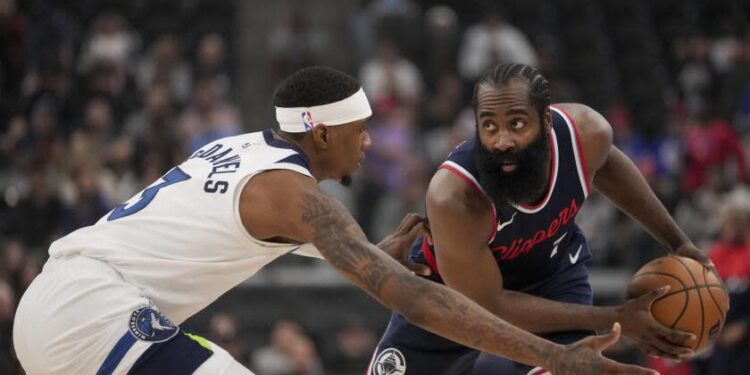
(111, 297)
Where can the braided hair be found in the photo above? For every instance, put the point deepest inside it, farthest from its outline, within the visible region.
(502, 74)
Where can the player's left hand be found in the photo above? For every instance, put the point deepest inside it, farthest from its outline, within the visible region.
(398, 243)
(689, 250)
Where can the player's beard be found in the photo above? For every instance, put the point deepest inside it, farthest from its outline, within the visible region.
(526, 183)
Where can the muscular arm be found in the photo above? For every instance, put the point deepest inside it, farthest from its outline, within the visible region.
(623, 184)
(461, 221)
(617, 178)
(283, 204)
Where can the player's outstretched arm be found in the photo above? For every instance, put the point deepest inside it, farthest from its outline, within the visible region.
(307, 215)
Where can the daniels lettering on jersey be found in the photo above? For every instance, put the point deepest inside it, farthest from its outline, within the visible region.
(521, 246)
(222, 162)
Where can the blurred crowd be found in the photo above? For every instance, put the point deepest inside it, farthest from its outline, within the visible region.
(98, 101)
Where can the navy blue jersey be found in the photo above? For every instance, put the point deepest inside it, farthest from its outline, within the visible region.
(531, 243)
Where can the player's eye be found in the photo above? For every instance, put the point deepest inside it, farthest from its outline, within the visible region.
(489, 126)
(517, 124)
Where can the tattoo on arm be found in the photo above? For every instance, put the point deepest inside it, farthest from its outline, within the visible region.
(342, 242)
(427, 304)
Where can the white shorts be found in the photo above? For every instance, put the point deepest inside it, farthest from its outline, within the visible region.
(80, 317)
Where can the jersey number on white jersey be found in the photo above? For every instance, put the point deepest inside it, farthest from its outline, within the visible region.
(172, 177)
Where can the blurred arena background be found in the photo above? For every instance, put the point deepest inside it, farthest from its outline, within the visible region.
(99, 98)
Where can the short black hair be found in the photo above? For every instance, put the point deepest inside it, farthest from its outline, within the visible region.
(501, 74)
(316, 85)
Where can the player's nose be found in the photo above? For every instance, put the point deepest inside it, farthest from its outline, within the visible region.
(504, 141)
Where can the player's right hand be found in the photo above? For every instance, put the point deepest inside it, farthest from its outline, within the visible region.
(398, 243)
(651, 336)
(585, 358)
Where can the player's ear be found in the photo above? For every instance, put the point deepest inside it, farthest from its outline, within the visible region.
(321, 136)
(547, 119)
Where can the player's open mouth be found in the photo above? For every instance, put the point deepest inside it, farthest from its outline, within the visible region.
(510, 167)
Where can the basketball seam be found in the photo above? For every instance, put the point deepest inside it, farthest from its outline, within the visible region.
(711, 294)
(700, 302)
(684, 287)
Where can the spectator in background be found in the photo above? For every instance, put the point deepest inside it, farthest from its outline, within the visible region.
(105, 59)
(388, 75)
(153, 130)
(90, 202)
(211, 61)
(13, 29)
(109, 40)
(352, 348)
(8, 364)
(388, 161)
(208, 117)
(37, 217)
(291, 352)
(222, 330)
(491, 42)
(731, 254)
(439, 50)
(695, 76)
(295, 42)
(711, 145)
(165, 64)
(443, 103)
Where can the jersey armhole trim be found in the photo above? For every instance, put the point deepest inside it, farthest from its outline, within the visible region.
(583, 174)
(469, 179)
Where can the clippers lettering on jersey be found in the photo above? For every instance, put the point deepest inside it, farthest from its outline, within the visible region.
(222, 162)
(521, 246)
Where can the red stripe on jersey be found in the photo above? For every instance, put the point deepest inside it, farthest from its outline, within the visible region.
(481, 194)
(539, 371)
(580, 149)
(429, 256)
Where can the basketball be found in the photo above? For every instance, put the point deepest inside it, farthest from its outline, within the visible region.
(696, 301)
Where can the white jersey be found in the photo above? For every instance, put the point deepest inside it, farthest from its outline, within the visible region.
(181, 240)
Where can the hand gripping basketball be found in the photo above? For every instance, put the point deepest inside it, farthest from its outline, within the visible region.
(585, 358)
(695, 302)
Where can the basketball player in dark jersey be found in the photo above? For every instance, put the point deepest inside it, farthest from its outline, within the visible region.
(502, 210)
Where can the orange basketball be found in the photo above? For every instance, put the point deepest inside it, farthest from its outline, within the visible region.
(696, 301)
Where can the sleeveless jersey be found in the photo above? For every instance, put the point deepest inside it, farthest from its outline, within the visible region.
(531, 243)
(181, 240)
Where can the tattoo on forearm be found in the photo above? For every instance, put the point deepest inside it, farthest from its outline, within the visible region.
(339, 239)
(429, 305)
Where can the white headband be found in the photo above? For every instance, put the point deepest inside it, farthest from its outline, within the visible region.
(302, 119)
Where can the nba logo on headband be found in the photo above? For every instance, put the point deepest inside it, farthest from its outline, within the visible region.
(307, 121)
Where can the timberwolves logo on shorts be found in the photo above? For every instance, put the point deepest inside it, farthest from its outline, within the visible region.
(150, 325)
(389, 362)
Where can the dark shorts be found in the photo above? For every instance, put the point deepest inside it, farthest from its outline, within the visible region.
(407, 347)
